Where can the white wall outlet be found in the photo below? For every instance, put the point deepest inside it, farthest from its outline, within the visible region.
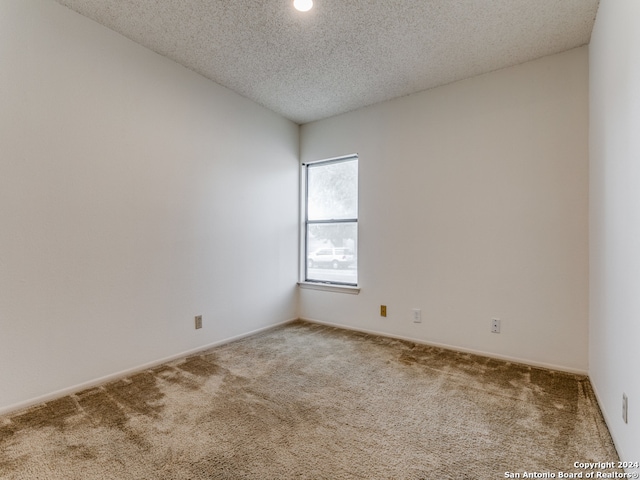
(625, 408)
(417, 315)
(495, 325)
(198, 321)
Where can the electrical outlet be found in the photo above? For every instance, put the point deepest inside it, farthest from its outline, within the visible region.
(495, 325)
(198, 321)
(417, 315)
(625, 408)
(383, 310)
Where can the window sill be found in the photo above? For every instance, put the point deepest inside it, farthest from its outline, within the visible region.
(330, 288)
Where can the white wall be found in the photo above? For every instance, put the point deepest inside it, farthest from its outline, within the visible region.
(614, 346)
(473, 205)
(134, 194)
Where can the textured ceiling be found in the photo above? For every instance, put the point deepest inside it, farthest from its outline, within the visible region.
(344, 54)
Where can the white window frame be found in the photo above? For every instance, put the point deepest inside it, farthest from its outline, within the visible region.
(304, 222)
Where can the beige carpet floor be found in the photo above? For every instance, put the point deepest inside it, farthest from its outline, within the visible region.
(306, 401)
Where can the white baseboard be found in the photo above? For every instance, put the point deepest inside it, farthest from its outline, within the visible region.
(607, 420)
(506, 358)
(125, 373)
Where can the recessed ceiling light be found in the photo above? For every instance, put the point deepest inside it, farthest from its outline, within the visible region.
(303, 5)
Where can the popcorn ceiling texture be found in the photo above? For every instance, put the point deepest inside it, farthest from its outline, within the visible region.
(343, 55)
(307, 401)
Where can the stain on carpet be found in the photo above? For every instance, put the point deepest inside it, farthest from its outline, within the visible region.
(139, 394)
(199, 367)
(308, 401)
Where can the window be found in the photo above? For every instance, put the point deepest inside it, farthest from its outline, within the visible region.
(331, 221)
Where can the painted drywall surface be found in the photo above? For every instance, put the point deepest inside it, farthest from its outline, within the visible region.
(614, 353)
(473, 205)
(134, 195)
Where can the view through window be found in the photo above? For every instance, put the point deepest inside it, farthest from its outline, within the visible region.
(332, 221)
